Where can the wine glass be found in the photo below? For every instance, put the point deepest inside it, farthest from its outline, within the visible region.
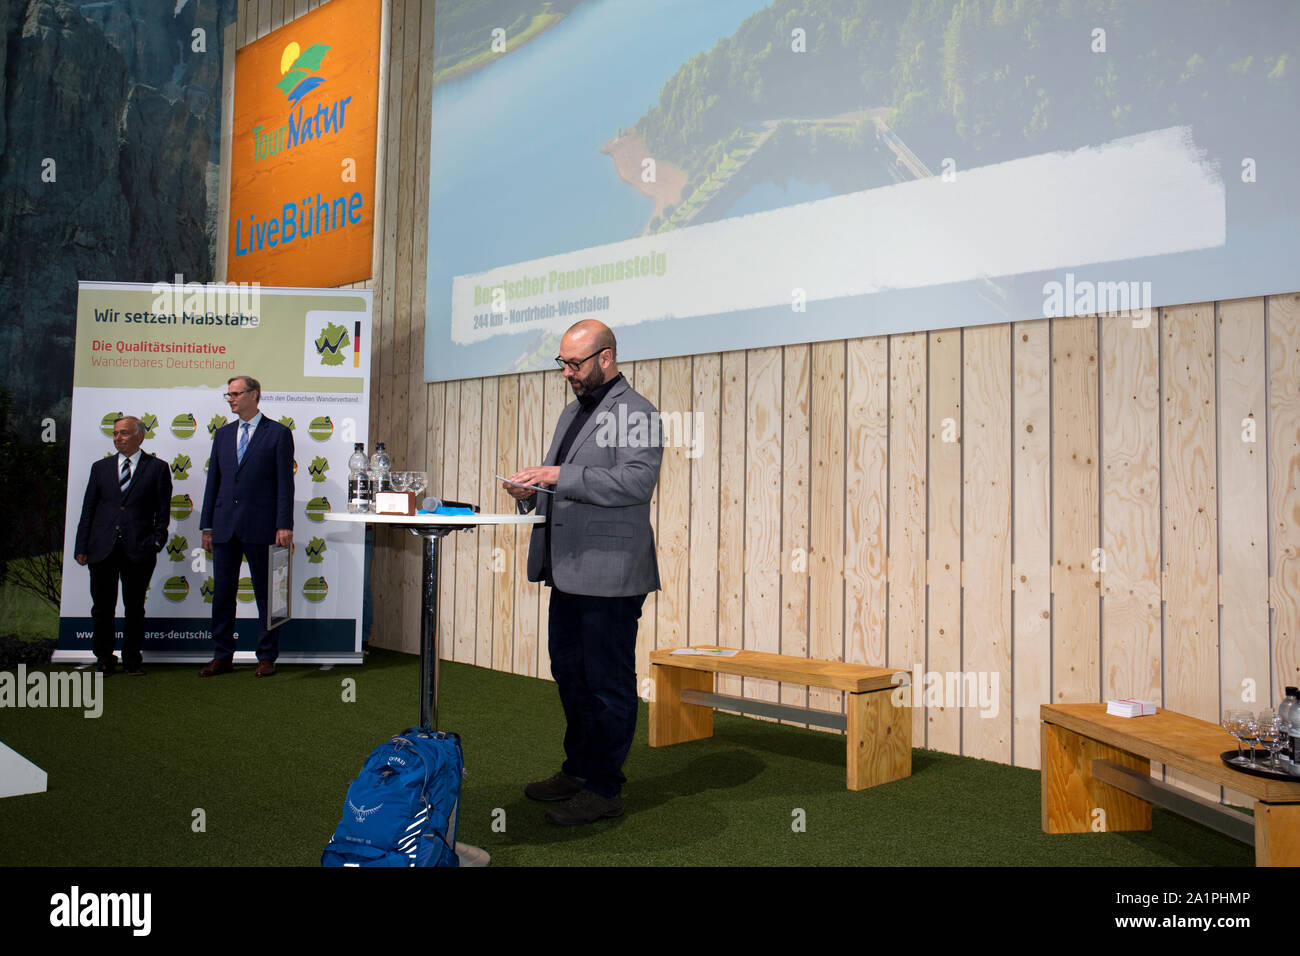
(1232, 724)
(417, 481)
(399, 480)
(1249, 729)
(1271, 734)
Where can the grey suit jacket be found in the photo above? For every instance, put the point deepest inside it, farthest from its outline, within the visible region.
(601, 540)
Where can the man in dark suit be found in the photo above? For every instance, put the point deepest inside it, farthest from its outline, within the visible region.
(597, 554)
(247, 507)
(123, 526)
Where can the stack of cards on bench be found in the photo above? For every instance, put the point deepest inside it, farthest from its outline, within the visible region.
(1130, 708)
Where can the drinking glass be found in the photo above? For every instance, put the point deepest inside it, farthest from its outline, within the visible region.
(1249, 734)
(1232, 724)
(418, 481)
(399, 480)
(1271, 734)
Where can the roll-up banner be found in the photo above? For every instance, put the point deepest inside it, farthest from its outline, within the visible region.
(164, 353)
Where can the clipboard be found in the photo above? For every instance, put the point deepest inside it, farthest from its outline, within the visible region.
(279, 585)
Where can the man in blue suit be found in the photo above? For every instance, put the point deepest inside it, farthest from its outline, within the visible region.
(247, 507)
(123, 526)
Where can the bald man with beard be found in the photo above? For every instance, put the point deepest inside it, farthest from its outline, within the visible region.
(596, 552)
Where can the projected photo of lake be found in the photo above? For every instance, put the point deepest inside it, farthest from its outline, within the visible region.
(808, 170)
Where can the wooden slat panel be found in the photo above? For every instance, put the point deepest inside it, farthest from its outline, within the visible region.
(731, 510)
(555, 395)
(673, 537)
(485, 539)
(1076, 636)
(1243, 498)
(986, 536)
(794, 554)
(528, 635)
(1130, 476)
(1284, 459)
(448, 488)
(763, 512)
(263, 18)
(1032, 538)
(504, 589)
(466, 542)
(944, 571)
(409, 642)
(1244, 670)
(706, 383)
(386, 298)
(826, 589)
(908, 496)
(866, 501)
(229, 43)
(646, 382)
(1190, 520)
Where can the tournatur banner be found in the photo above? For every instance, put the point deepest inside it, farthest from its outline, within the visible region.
(163, 353)
(302, 156)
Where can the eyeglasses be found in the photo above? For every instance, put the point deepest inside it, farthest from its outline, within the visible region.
(231, 396)
(578, 363)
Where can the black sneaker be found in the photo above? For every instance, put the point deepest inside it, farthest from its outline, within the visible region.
(133, 670)
(107, 667)
(586, 807)
(560, 787)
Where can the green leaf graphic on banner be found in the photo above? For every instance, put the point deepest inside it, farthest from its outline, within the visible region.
(310, 58)
(330, 345)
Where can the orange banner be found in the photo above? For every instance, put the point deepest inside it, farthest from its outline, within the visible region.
(302, 167)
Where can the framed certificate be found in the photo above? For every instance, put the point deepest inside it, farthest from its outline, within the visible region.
(280, 586)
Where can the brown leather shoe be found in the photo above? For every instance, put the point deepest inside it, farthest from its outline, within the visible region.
(265, 669)
(217, 665)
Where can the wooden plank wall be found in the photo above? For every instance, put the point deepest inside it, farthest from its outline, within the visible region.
(1067, 509)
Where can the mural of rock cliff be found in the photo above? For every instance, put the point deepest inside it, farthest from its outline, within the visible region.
(109, 140)
(109, 143)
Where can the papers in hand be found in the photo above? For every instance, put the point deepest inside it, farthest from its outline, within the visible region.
(1127, 707)
(707, 651)
(549, 491)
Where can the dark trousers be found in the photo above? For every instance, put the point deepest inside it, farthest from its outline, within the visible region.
(225, 582)
(593, 660)
(104, 576)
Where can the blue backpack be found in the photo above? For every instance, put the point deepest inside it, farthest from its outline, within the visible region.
(404, 807)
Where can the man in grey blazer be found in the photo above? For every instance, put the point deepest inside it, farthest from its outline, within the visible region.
(596, 552)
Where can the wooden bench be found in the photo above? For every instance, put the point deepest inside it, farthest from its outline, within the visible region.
(1093, 761)
(879, 732)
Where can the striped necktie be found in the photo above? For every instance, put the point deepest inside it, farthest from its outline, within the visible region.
(243, 442)
(125, 481)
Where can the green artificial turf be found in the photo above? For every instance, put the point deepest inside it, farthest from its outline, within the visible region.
(268, 763)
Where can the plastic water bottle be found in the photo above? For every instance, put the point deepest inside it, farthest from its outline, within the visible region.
(1289, 711)
(381, 465)
(359, 496)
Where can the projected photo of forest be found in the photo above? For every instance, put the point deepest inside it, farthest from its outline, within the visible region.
(565, 126)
